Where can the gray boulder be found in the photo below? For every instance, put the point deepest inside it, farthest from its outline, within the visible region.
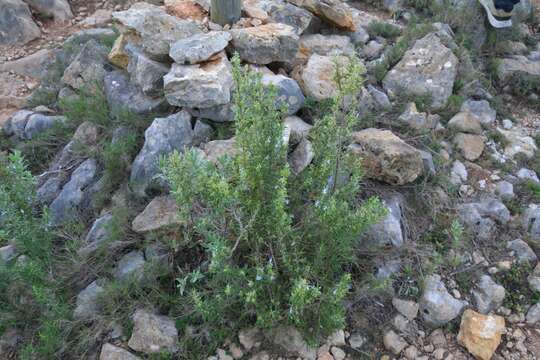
(292, 341)
(100, 232)
(67, 205)
(531, 221)
(480, 110)
(533, 315)
(418, 121)
(379, 97)
(301, 157)
(199, 47)
(386, 157)
(428, 67)
(57, 9)
(534, 279)
(488, 295)
(157, 29)
(16, 24)
(202, 132)
(145, 72)
(7, 253)
(122, 94)
(372, 50)
(162, 137)
(200, 85)
(437, 306)
(87, 302)
(289, 93)
(153, 333)
(88, 68)
(289, 14)
(505, 190)
(389, 231)
(111, 352)
(297, 129)
(16, 124)
(522, 251)
(528, 174)
(39, 123)
(481, 217)
(50, 189)
(518, 66)
(130, 265)
(218, 113)
(265, 44)
(317, 76)
(324, 45)
(161, 213)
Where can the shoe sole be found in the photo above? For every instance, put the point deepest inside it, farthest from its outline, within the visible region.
(499, 24)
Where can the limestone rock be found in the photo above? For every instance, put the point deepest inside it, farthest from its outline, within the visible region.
(157, 29)
(216, 149)
(523, 251)
(111, 352)
(464, 122)
(480, 334)
(68, 203)
(145, 72)
(416, 120)
(518, 143)
(298, 129)
(481, 217)
(289, 14)
(470, 146)
(57, 9)
(386, 157)
(388, 232)
(334, 12)
(518, 66)
(118, 56)
(289, 93)
(428, 67)
(394, 342)
(325, 45)
(291, 340)
(16, 24)
(534, 278)
(480, 110)
(531, 221)
(153, 333)
(407, 308)
(199, 47)
(528, 174)
(161, 212)
(98, 234)
(533, 315)
(35, 65)
(301, 157)
(488, 295)
(266, 43)
(122, 94)
(200, 85)
(131, 265)
(162, 137)
(7, 253)
(317, 77)
(86, 304)
(372, 50)
(437, 306)
(88, 68)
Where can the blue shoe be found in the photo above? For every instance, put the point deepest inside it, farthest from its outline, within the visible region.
(499, 12)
